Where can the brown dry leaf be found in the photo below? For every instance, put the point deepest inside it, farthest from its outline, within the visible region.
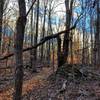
(35, 82)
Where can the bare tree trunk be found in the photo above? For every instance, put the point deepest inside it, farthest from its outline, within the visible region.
(98, 33)
(36, 37)
(71, 48)
(83, 52)
(59, 54)
(36, 34)
(91, 33)
(48, 43)
(3, 35)
(43, 30)
(66, 36)
(49, 32)
(1, 18)
(53, 56)
(19, 37)
(31, 51)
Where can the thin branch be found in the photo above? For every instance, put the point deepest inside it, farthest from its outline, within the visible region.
(30, 8)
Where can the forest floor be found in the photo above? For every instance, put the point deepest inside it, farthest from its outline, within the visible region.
(85, 91)
(75, 90)
(44, 86)
(31, 81)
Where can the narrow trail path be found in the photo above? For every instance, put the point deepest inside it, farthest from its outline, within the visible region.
(36, 81)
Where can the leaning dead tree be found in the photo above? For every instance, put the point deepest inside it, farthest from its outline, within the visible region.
(45, 39)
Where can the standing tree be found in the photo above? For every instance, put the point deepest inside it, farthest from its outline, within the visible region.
(1, 18)
(36, 34)
(68, 5)
(98, 33)
(43, 29)
(18, 43)
(31, 51)
(19, 37)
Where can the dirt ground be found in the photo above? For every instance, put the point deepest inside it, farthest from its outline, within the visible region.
(39, 86)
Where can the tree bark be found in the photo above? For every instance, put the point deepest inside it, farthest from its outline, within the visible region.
(66, 36)
(59, 54)
(98, 33)
(43, 30)
(1, 18)
(36, 34)
(31, 51)
(19, 37)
